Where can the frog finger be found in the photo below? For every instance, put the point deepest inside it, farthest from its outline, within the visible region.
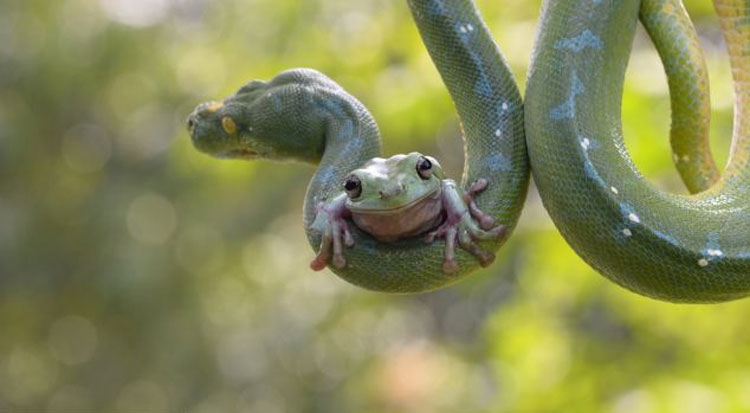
(485, 257)
(438, 233)
(485, 221)
(449, 258)
(478, 233)
(478, 186)
(338, 256)
(348, 239)
(324, 252)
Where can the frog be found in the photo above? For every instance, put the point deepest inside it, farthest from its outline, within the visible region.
(405, 196)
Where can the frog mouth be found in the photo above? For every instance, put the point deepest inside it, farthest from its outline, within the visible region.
(429, 196)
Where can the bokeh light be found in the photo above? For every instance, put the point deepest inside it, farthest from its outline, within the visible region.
(138, 275)
(136, 12)
(151, 219)
(73, 340)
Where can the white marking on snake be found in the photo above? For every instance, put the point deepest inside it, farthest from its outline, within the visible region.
(702, 262)
(633, 217)
(586, 39)
(567, 108)
(627, 232)
(498, 162)
(614, 190)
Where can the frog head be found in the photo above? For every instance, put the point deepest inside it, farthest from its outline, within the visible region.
(396, 197)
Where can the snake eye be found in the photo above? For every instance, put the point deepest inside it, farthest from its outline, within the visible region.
(424, 168)
(353, 186)
(228, 125)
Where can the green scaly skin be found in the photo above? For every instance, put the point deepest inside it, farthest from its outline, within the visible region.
(678, 248)
(302, 115)
(643, 239)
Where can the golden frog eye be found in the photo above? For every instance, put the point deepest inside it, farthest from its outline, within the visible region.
(228, 124)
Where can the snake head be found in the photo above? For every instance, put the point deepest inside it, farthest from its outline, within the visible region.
(223, 128)
(278, 119)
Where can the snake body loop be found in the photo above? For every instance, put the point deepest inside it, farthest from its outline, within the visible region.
(490, 108)
(303, 115)
(681, 248)
(672, 247)
(675, 39)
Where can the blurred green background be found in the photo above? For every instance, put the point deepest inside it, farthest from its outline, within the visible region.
(137, 275)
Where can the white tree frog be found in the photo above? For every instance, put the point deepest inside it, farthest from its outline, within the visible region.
(405, 196)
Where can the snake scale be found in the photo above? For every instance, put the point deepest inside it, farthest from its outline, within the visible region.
(678, 248)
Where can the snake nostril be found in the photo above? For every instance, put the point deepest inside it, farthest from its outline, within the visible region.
(190, 124)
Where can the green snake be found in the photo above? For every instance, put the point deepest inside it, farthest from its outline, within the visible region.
(679, 248)
(693, 248)
(302, 115)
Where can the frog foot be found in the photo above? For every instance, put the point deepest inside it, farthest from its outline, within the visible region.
(331, 223)
(465, 224)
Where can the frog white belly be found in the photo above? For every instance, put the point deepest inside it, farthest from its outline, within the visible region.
(403, 222)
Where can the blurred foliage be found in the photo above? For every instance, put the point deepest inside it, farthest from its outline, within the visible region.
(139, 275)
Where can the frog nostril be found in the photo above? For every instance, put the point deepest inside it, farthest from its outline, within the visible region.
(190, 124)
(392, 191)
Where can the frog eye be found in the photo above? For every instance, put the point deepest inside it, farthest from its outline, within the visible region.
(424, 168)
(353, 186)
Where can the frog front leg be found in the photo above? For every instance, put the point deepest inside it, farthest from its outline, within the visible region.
(330, 222)
(465, 224)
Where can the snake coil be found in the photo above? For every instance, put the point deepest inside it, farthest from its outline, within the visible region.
(672, 247)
